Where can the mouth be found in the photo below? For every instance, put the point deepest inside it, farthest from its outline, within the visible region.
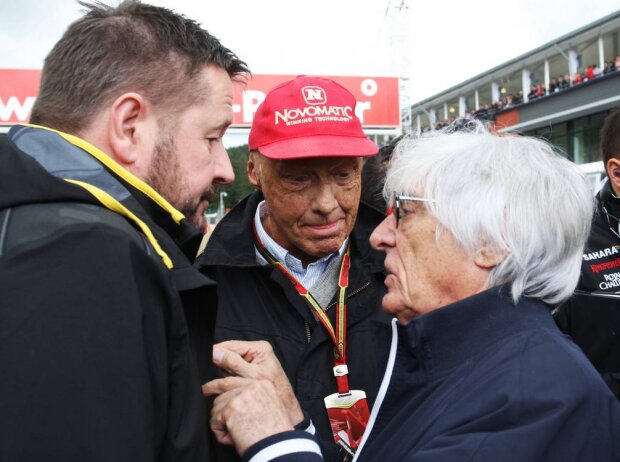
(203, 205)
(206, 199)
(325, 229)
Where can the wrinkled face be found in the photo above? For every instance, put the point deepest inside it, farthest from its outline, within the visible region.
(423, 272)
(189, 158)
(312, 203)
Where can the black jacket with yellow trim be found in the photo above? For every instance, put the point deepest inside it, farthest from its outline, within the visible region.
(96, 290)
(259, 303)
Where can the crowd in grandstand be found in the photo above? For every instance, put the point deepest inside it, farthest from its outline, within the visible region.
(538, 90)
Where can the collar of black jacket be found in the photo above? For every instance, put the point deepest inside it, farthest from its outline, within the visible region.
(232, 243)
(64, 157)
(450, 336)
(607, 198)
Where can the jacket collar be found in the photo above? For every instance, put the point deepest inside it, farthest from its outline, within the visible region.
(452, 335)
(69, 157)
(606, 198)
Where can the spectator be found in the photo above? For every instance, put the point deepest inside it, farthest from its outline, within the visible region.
(553, 87)
(578, 78)
(592, 319)
(567, 82)
(561, 83)
(518, 99)
(597, 70)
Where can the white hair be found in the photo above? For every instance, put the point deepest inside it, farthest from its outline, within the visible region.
(514, 195)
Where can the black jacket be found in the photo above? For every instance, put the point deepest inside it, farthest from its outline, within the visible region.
(592, 315)
(94, 347)
(258, 303)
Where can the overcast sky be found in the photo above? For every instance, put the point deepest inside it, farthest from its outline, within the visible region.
(446, 42)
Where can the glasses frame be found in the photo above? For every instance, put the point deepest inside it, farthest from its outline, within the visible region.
(399, 197)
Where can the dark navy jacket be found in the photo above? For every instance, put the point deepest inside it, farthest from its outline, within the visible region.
(485, 380)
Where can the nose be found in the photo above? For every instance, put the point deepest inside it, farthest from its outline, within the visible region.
(383, 237)
(223, 172)
(325, 200)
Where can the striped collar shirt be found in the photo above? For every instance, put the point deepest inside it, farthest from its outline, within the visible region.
(307, 276)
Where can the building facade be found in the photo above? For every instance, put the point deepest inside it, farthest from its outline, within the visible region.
(561, 91)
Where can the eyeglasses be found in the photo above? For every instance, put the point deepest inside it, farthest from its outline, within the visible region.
(398, 211)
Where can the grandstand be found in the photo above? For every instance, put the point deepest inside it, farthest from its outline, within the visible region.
(526, 94)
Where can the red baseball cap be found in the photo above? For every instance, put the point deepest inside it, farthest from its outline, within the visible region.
(309, 117)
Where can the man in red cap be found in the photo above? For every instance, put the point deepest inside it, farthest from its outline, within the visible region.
(293, 262)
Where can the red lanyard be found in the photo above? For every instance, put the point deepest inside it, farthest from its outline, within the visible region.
(339, 334)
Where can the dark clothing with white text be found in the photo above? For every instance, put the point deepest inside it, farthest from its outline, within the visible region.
(592, 316)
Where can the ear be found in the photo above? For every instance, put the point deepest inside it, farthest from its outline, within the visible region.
(130, 131)
(254, 171)
(488, 258)
(613, 172)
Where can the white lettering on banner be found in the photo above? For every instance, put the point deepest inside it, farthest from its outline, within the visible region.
(13, 105)
(369, 87)
(343, 112)
(361, 107)
(251, 100)
(600, 253)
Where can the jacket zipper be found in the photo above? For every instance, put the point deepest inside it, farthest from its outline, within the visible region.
(355, 292)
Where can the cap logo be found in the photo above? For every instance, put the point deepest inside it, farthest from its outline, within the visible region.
(314, 95)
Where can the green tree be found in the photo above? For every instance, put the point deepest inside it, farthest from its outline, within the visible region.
(241, 186)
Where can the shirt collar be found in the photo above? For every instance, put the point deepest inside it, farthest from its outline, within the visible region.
(281, 254)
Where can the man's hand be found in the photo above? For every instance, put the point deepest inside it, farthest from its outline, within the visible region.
(248, 413)
(243, 362)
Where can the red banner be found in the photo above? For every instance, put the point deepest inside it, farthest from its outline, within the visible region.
(377, 97)
(18, 90)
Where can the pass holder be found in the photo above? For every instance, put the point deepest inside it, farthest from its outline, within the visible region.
(348, 416)
(347, 410)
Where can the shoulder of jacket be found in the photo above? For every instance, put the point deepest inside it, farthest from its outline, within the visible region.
(29, 223)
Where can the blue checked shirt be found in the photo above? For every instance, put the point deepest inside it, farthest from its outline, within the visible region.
(307, 276)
